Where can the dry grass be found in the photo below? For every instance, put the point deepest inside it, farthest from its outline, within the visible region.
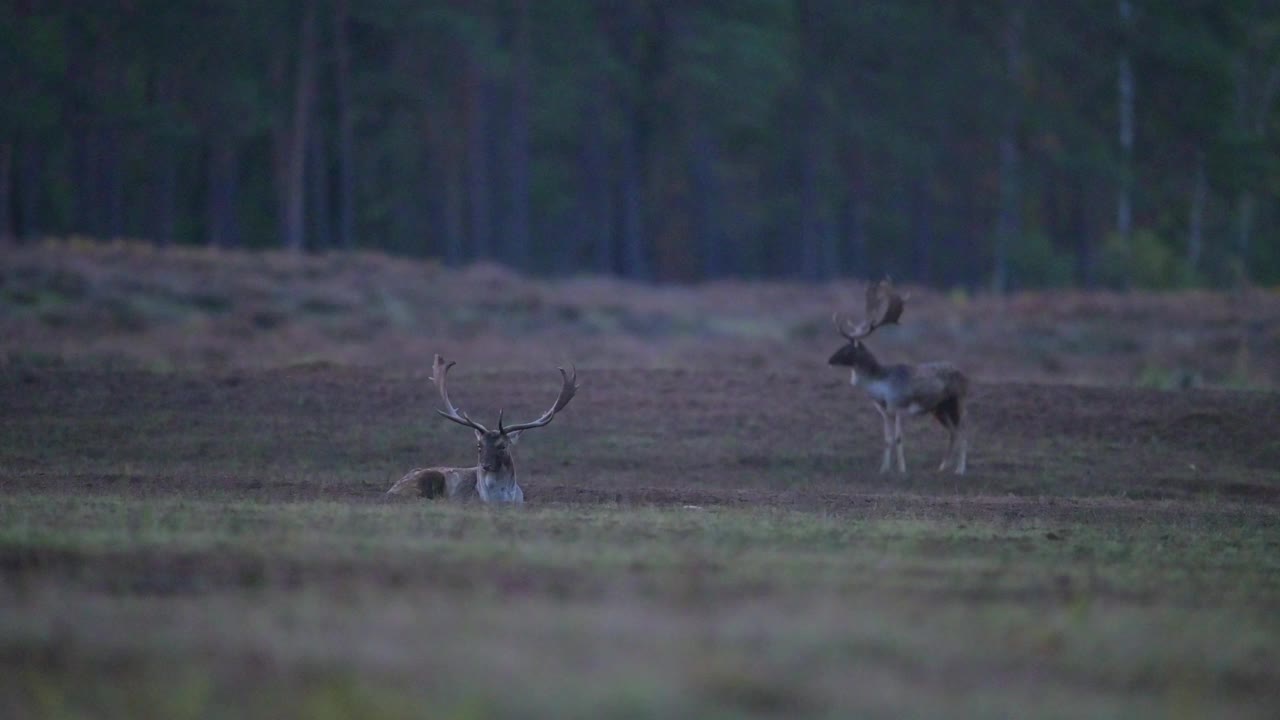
(132, 304)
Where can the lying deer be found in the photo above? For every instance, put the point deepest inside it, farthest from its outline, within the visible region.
(938, 388)
(493, 479)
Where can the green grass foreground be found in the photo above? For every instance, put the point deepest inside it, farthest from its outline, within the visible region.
(227, 607)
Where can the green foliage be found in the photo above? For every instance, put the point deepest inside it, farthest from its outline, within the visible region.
(1034, 262)
(764, 137)
(1146, 261)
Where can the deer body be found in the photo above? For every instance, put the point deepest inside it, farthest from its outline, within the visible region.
(937, 388)
(493, 478)
(439, 482)
(467, 483)
(914, 389)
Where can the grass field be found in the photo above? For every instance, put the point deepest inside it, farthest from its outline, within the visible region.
(703, 538)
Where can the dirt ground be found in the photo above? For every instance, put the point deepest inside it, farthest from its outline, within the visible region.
(630, 436)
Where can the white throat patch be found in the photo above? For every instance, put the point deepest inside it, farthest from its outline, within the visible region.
(493, 487)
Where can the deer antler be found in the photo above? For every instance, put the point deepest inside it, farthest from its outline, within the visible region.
(568, 387)
(884, 307)
(440, 370)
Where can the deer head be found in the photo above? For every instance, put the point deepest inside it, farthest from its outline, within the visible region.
(884, 307)
(493, 447)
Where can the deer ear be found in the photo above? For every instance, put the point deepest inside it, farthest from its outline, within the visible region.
(514, 437)
(479, 435)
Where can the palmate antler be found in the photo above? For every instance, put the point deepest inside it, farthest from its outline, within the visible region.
(884, 307)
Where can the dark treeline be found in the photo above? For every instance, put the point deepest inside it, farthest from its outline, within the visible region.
(1002, 144)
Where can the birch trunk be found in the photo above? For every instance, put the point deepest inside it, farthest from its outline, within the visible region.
(477, 120)
(518, 240)
(224, 175)
(6, 192)
(595, 206)
(1125, 96)
(1009, 218)
(346, 126)
(1195, 223)
(303, 100)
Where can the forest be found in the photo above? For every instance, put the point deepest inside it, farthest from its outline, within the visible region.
(985, 145)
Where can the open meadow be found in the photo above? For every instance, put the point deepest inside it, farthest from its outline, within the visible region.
(194, 450)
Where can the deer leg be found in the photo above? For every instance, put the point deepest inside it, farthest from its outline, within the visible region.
(962, 431)
(951, 446)
(888, 440)
(947, 414)
(897, 441)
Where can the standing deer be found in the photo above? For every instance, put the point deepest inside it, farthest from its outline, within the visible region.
(493, 478)
(938, 388)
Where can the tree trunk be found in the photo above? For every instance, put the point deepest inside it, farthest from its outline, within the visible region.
(595, 206)
(303, 102)
(702, 199)
(518, 240)
(346, 127)
(633, 153)
(320, 211)
(84, 195)
(431, 216)
(452, 154)
(922, 209)
(706, 202)
(478, 190)
(854, 212)
(811, 147)
(853, 233)
(112, 174)
(1125, 95)
(81, 150)
(278, 74)
(29, 187)
(1078, 225)
(635, 262)
(98, 213)
(808, 222)
(1246, 204)
(1253, 110)
(1195, 223)
(1009, 219)
(6, 192)
(223, 229)
(160, 205)
(164, 193)
(406, 210)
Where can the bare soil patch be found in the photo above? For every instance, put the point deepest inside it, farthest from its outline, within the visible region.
(639, 436)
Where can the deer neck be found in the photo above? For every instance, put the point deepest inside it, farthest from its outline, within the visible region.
(498, 485)
(866, 370)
